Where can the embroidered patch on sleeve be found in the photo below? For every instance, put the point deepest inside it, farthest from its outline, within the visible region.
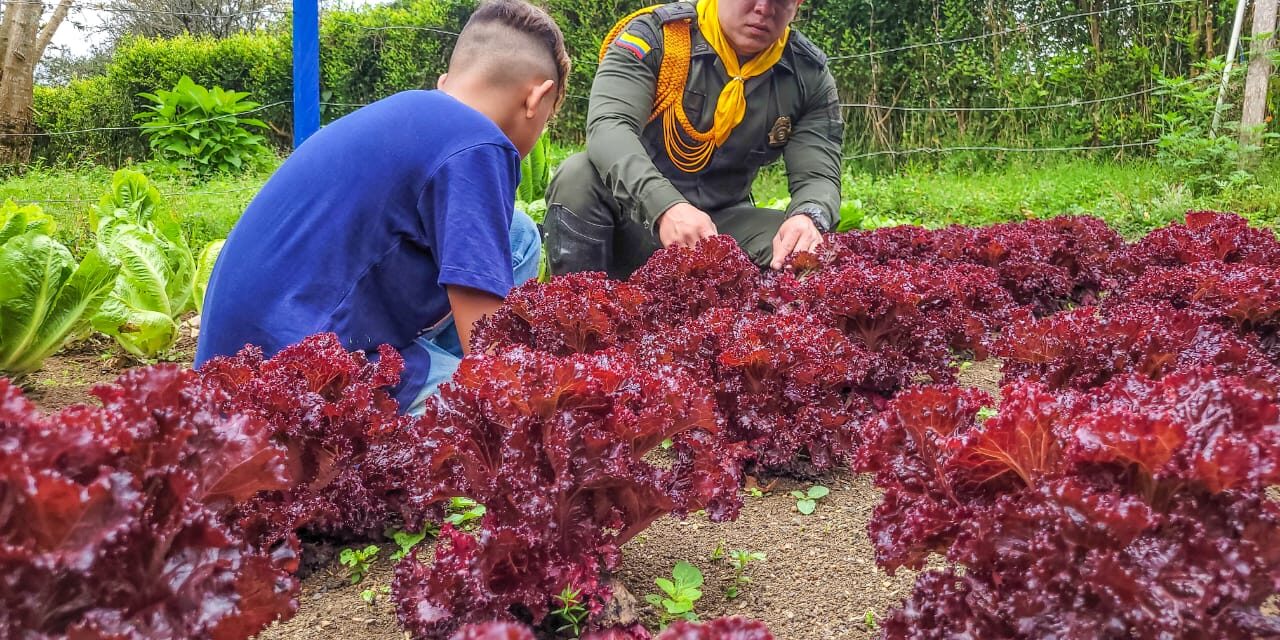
(635, 44)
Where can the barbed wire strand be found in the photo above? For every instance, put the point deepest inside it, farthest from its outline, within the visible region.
(894, 152)
(902, 152)
(173, 194)
(1038, 107)
(992, 34)
(177, 125)
(111, 9)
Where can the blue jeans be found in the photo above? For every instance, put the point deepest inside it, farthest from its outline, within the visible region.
(442, 340)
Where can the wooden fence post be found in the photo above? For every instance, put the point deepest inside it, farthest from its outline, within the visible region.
(1254, 112)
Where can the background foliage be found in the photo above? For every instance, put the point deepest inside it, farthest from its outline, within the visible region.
(1008, 58)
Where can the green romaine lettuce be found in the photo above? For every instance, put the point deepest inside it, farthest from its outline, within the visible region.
(45, 297)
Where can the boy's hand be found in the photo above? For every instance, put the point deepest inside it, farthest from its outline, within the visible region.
(797, 234)
(684, 225)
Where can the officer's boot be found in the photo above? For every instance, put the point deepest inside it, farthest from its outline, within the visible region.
(574, 244)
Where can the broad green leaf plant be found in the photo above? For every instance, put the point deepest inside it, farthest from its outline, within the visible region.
(157, 275)
(46, 298)
(679, 594)
(205, 131)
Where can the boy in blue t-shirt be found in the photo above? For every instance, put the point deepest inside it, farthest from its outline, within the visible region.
(394, 224)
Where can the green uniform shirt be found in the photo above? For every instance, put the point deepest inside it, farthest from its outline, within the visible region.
(631, 156)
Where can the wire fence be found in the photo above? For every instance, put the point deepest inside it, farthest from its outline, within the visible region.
(441, 31)
(77, 6)
(935, 150)
(171, 194)
(1020, 28)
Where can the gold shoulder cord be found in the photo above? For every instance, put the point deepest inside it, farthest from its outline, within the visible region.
(673, 77)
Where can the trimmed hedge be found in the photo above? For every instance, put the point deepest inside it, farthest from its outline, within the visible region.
(365, 55)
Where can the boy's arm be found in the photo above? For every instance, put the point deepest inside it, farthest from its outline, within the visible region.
(466, 212)
(469, 305)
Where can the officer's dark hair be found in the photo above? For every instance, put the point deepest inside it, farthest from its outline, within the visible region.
(509, 40)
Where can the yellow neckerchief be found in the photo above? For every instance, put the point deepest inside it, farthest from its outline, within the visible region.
(673, 76)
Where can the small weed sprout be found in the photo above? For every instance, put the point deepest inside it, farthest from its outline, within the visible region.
(357, 561)
(717, 554)
(370, 596)
(572, 612)
(680, 594)
(407, 540)
(807, 501)
(739, 559)
(464, 512)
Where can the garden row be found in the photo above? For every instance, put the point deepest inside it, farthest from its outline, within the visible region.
(1117, 491)
(135, 283)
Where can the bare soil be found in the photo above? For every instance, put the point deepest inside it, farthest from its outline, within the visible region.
(819, 580)
(67, 377)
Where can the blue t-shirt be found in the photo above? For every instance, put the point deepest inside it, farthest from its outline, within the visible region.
(361, 228)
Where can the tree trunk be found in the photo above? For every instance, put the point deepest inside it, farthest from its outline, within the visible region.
(1254, 113)
(22, 44)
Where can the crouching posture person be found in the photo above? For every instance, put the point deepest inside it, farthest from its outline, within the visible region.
(395, 224)
(689, 102)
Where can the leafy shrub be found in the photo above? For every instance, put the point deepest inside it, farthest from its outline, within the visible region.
(257, 63)
(204, 131)
(45, 297)
(116, 518)
(157, 275)
(97, 106)
(1208, 160)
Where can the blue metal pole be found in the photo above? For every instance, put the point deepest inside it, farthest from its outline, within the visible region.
(306, 69)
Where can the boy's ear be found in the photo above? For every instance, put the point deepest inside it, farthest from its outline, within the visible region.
(441, 80)
(536, 96)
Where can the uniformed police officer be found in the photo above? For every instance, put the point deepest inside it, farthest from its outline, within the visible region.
(689, 102)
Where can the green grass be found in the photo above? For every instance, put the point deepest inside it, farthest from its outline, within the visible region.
(1134, 197)
(207, 209)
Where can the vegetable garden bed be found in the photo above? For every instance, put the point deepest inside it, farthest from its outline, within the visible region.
(819, 580)
(1116, 488)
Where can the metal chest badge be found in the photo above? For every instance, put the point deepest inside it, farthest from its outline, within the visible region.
(780, 134)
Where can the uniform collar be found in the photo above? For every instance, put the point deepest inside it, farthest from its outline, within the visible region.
(699, 48)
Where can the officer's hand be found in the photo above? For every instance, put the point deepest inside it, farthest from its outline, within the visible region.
(684, 225)
(797, 234)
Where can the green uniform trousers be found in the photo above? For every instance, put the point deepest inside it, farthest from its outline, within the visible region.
(586, 228)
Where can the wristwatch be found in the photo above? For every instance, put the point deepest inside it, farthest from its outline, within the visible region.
(815, 213)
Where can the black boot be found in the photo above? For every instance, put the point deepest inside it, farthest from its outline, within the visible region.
(575, 245)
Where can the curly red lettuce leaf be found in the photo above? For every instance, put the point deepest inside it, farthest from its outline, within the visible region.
(575, 313)
(556, 448)
(116, 521)
(327, 406)
(1207, 236)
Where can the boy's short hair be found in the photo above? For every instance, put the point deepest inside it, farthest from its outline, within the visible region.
(510, 40)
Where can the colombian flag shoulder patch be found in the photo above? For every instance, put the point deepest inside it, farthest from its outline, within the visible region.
(634, 44)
